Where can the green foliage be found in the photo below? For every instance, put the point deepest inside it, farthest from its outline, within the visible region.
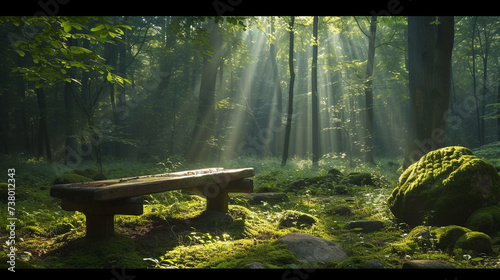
(54, 54)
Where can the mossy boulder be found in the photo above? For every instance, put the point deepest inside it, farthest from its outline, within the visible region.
(292, 218)
(359, 179)
(486, 220)
(477, 242)
(425, 237)
(444, 187)
(448, 236)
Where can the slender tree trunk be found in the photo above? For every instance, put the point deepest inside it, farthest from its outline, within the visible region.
(315, 102)
(473, 74)
(429, 62)
(204, 129)
(275, 119)
(43, 135)
(485, 47)
(369, 92)
(70, 141)
(290, 96)
(498, 112)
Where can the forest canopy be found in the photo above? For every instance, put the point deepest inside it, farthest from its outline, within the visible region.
(210, 88)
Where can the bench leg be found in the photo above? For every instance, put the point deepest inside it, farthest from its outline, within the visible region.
(100, 214)
(218, 194)
(100, 226)
(218, 202)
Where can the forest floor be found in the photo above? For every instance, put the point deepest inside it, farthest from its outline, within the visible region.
(168, 235)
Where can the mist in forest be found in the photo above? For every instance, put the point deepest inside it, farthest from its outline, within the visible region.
(206, 89)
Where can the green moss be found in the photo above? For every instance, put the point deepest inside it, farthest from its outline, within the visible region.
(486, 220)
(68, 178)
(271, 255)
(474, 241)
(116, 252)
(450, 183)
(359, 179)
(447, 236)
(238, 212)
(297, 219)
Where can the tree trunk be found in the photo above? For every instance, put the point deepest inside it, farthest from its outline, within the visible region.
(69, 111)
(204, 129)
(498, 112)
(290, 96)
(429, 62)
(275, 119)
(369, 92)
(43, 135)
(315, 102)
(473, 74)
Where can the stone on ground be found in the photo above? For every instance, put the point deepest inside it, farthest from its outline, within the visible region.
(427, 264)
(312, 249)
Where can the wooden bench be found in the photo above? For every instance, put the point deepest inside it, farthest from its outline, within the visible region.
(101, 200)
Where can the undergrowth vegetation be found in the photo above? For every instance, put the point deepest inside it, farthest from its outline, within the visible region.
(169, 235)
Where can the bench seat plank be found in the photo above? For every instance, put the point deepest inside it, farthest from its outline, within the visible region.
(136, 186)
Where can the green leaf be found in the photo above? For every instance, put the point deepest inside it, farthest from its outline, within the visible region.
(109, 77)
(21, 53)
(97, 28)
(125, 26)
(67, 28)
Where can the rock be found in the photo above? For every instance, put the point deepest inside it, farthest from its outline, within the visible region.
(297, 219)
(312, 249)
(258, 198)
(374, 264)
(311, 183)
(448, 236)
(475, 241)
(427, 264)
(485, 220)
(365, 226)
(444, 188)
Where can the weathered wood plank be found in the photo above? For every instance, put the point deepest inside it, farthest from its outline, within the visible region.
(136, 186)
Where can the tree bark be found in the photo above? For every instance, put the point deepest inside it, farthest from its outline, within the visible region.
(369, 92)
(204, 129)
(429, 62)
(43, 135)
(290, 96)
(314, 95)
(275, 119)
